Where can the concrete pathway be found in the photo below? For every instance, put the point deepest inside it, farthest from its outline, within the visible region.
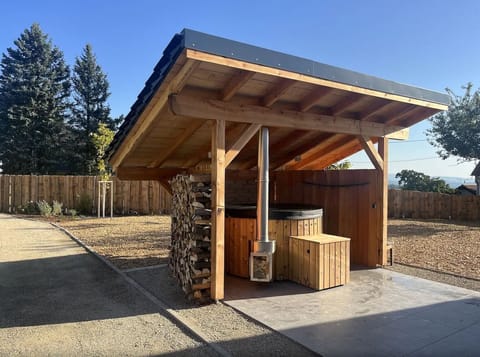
(56, 299)
(379, 313)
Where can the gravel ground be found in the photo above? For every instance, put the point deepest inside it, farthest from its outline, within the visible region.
(58, 300)
(131, 242)
(128, 242)
(440, 250)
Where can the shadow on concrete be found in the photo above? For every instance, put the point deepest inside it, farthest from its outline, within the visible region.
(242, 288)
(64, 289)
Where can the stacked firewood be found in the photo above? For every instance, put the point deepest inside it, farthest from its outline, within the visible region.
(190, 245)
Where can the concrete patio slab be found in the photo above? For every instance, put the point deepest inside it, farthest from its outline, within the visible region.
(378, 313)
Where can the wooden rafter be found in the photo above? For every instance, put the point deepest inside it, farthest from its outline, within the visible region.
(313, 98)
(192, 127)
(345, 104)
(238, 145)
(292, 157)
(372, 111)
(143, 123)
(335, 154)
(214, 109)
(276, 92)
(400, 115)
(324, 147)
(235, 83)
(284, 145)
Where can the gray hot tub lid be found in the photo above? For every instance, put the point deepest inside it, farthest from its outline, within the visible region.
(277, 212)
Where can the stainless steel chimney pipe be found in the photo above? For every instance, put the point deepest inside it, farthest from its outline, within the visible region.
(263, 244)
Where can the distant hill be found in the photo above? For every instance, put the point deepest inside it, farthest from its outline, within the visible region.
(453, 182)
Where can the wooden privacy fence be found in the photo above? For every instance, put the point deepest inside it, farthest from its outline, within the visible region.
(431, 205)
(142, 197)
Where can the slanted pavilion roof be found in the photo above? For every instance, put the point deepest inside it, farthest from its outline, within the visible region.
(317, 114)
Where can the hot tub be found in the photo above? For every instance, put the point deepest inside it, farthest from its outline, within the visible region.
(283, 221)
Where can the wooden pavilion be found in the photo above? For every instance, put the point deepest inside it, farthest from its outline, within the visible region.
(209, 96)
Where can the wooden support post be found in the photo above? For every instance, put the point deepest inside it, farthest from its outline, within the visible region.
(383, 201)
(218, 210)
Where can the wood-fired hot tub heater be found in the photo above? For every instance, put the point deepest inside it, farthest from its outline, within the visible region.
(263, 249)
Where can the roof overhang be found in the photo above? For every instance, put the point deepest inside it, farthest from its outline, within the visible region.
(318, 114)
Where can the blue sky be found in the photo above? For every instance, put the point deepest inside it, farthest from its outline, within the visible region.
(431, 44)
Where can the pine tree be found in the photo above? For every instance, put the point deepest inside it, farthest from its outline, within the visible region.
(90, 94)
(34, 92)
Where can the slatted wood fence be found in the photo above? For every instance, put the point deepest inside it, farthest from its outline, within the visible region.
(430, 205)
(142, 197)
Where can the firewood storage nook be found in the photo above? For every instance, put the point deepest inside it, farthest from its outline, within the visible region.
(263, 126)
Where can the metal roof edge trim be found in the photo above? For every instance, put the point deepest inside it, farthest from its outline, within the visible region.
(258, 55)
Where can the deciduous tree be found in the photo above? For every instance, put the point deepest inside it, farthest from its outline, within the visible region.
(101, 140)
(457, 131)
(418, 181)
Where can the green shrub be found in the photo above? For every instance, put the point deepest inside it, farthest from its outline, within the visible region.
(44, 208)
(85, 203)
(30, 208)
(57, 208)
(72, 212)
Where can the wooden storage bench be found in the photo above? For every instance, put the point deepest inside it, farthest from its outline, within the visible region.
(319, 261)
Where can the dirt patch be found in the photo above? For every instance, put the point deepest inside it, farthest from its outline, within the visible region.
(443, 246)
(128, 242)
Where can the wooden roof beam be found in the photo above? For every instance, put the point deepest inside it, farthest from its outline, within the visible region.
(235, 83)
(143, 173)
(177, 142)
(276, 92)
(313, 98)
(215, 109)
